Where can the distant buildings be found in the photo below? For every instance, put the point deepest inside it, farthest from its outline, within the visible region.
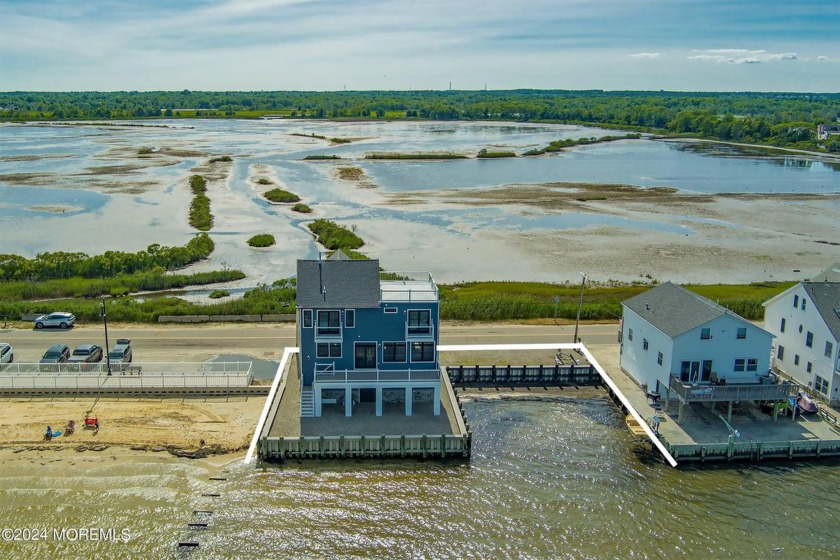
(669, 332)
(805, 319)
(824, 131)
(365, 339)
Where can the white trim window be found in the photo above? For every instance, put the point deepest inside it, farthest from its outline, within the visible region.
(306, 318)
(349, 318)
(740, 364)
(419, 322)
(329, 323)
(328, 350)
(741, 332)
(393, 352)
(422, 351)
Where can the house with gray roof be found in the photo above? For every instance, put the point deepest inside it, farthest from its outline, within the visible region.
(671, 336)
(366, 336)
(806, 322)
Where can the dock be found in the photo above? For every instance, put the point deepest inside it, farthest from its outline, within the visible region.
(283, 434)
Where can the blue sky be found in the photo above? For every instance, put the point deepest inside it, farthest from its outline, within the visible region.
(709, 45)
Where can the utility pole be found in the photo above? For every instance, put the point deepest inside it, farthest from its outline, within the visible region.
(107, 348)
(580, 304)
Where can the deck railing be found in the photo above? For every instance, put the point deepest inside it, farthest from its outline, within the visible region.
(688, 392)
(312, 447)
(377, 375)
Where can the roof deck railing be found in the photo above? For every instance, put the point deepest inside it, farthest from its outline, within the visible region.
(376, 375)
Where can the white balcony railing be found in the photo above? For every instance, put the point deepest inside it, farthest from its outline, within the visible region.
(376, 375)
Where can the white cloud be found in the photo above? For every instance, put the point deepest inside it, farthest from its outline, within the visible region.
(645, 55)
(741, 56)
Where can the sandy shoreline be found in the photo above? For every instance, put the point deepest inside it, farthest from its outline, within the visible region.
(176, 426)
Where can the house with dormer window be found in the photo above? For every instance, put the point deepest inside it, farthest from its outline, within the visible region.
(366, 336)
(806, 322)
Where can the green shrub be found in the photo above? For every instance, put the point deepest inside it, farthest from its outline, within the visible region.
(320, 157)
(218, 294)
(279, 195)
(262, 240)
(224, 159)
(484, 154)
(200, 216)
(302, 208)
(333, 236)
(264, 181)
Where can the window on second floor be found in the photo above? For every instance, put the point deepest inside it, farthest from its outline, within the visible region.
(645, 344)
(739, 364)
(742, 332)
(780, 352)
(350, 318)
(328, 350)
(796, 359)
(804, 302)
(808, 367)
(809, 339)
(419, 322)
(329, 323)
(782, 327)
(630, 334)
(752, 364)
(393, 352)
(829, 348)
(422, 351)
(659, 357)
(705, 334)
(795, 300)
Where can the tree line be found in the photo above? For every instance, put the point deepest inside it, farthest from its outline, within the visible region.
(780, 119)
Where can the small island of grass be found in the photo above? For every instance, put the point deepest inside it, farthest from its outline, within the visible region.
(320, 157)
(221, 159)
(279, 195)
(484, 154)
(399, 156)
(340, 140)
(264, 181)
(218, 294)
(302, 208)
(559, 145)
(200, 216)
(334, 236)
(262, 240)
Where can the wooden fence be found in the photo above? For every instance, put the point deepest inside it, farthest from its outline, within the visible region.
(756, 450)
(523, 376)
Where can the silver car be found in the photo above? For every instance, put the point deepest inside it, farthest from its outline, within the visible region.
(58, 319)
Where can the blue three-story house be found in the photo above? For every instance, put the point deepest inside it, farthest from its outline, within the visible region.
(366, 339)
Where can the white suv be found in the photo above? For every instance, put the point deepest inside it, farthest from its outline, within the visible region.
(7, 355)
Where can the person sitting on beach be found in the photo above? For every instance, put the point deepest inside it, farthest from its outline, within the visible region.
(96, 427)
(48, 435)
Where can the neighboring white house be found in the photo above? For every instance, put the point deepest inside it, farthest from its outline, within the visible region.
(669, 330)
(806, 322)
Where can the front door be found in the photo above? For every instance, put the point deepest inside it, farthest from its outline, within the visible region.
(365, 355)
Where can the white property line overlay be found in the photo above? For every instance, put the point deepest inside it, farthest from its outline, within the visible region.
(482, 347)
(269, 401)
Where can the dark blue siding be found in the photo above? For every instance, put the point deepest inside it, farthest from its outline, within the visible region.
(372, 325)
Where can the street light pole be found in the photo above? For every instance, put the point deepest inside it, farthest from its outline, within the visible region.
(107, 348)
(580, 304)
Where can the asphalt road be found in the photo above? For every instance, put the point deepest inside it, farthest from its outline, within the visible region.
(187, 343)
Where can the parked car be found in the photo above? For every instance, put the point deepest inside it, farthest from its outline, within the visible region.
(7, 355)
(121, 353)
(56, 354)
(86, 353)
(58, 319)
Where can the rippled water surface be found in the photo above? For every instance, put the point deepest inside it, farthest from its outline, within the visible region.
(547, 480)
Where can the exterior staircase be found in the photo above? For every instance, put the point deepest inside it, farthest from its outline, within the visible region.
(307, 403)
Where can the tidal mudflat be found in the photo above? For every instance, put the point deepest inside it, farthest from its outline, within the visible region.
(625, 210)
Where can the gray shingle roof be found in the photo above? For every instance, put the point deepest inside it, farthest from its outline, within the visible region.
(830, 274)
(338, 283)
(826, 298)
(674, 310)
